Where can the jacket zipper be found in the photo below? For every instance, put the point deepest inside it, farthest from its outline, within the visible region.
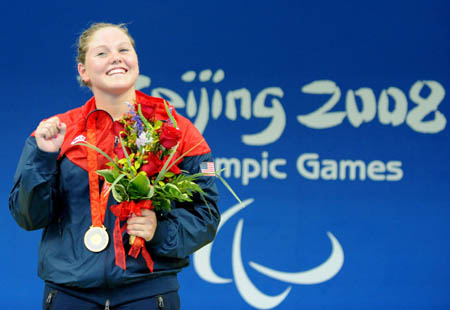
(60, 226)
(50, 296)
(160, 303)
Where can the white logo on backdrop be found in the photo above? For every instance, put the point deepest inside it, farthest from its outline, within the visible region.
(391, 108)
(248, 291)
(207, 99)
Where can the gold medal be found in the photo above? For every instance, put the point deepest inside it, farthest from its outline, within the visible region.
(96, 239)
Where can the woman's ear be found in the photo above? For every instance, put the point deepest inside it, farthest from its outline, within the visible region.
(83, 73)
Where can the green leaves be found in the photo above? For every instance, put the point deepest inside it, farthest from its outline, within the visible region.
(148, 152)
(139, 187)
(109, 175)
(100, 151)
(225, 183)
(120, 193)
(127, 157)
(124, 189)
(165, 168)
(144, 120)
(179, 188)
(172, 119)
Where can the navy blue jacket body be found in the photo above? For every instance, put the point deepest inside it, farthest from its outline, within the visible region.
(51, 192)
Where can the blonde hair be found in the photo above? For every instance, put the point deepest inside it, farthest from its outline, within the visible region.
(86, 35)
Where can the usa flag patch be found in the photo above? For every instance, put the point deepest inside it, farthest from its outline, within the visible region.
(207, 168)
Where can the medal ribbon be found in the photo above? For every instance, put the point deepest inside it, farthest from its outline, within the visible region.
(98, 201)
(122, 211)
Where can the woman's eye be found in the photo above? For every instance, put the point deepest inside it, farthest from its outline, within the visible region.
(123, 50)
(101, 54)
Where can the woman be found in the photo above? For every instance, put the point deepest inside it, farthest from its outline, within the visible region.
(56, 188)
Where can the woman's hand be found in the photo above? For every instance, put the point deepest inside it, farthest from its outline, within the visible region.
(143, 226)
(50, 135)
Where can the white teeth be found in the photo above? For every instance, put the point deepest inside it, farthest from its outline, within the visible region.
(116, 71)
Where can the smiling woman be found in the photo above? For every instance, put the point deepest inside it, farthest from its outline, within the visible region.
(85, 38)
(108, 64)
(56, 187)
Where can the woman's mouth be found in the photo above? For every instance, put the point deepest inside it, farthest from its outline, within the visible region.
(115, 71)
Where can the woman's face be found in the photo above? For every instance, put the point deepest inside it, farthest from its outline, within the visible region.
(111, 62)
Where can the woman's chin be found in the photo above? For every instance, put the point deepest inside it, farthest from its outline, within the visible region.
(117, 88)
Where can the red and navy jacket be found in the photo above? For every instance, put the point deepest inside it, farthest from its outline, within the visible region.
(51, 191)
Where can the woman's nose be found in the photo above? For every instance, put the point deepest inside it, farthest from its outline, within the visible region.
(116, 58)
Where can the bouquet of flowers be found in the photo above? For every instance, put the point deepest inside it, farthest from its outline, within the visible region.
(144, 172)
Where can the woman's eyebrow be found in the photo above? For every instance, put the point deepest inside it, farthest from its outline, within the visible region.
(106, 46)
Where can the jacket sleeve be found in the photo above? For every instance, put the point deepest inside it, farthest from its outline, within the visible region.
(189, 226)
(31, 200)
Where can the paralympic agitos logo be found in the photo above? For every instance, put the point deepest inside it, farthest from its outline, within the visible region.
(246, 288)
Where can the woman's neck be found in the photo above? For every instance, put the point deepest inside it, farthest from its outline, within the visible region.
(114, 104)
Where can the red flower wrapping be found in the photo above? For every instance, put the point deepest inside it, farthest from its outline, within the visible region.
(153, 166)
(118, 150)
(174, 168)
(122, 211)
(148, 110)
(116, 129)
(169, 136)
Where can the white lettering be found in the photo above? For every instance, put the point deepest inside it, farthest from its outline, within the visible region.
(250, 168)
(217, 104)
(321, 118)
(376, 170)
(360, 106)
(226, 164)
(245, 98)
(310, 167)
(264, 165)
(352, 165)
(329, 170)
(395, 168)
(276, 112)
(368, 110)
(274, 171)
(170, 96)
(426, 106)
(398, 114)
(258, 109)
(308, 159)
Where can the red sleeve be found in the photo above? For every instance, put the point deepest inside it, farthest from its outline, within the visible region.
(191, 138)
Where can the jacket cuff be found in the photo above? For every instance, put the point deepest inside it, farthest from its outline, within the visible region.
(45, 161)
(161, 233)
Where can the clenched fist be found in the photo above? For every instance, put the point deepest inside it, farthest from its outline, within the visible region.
(50, 135)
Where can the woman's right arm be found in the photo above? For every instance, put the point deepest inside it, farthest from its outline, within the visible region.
(33, 195)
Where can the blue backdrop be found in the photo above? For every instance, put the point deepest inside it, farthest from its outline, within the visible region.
(330, 118)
